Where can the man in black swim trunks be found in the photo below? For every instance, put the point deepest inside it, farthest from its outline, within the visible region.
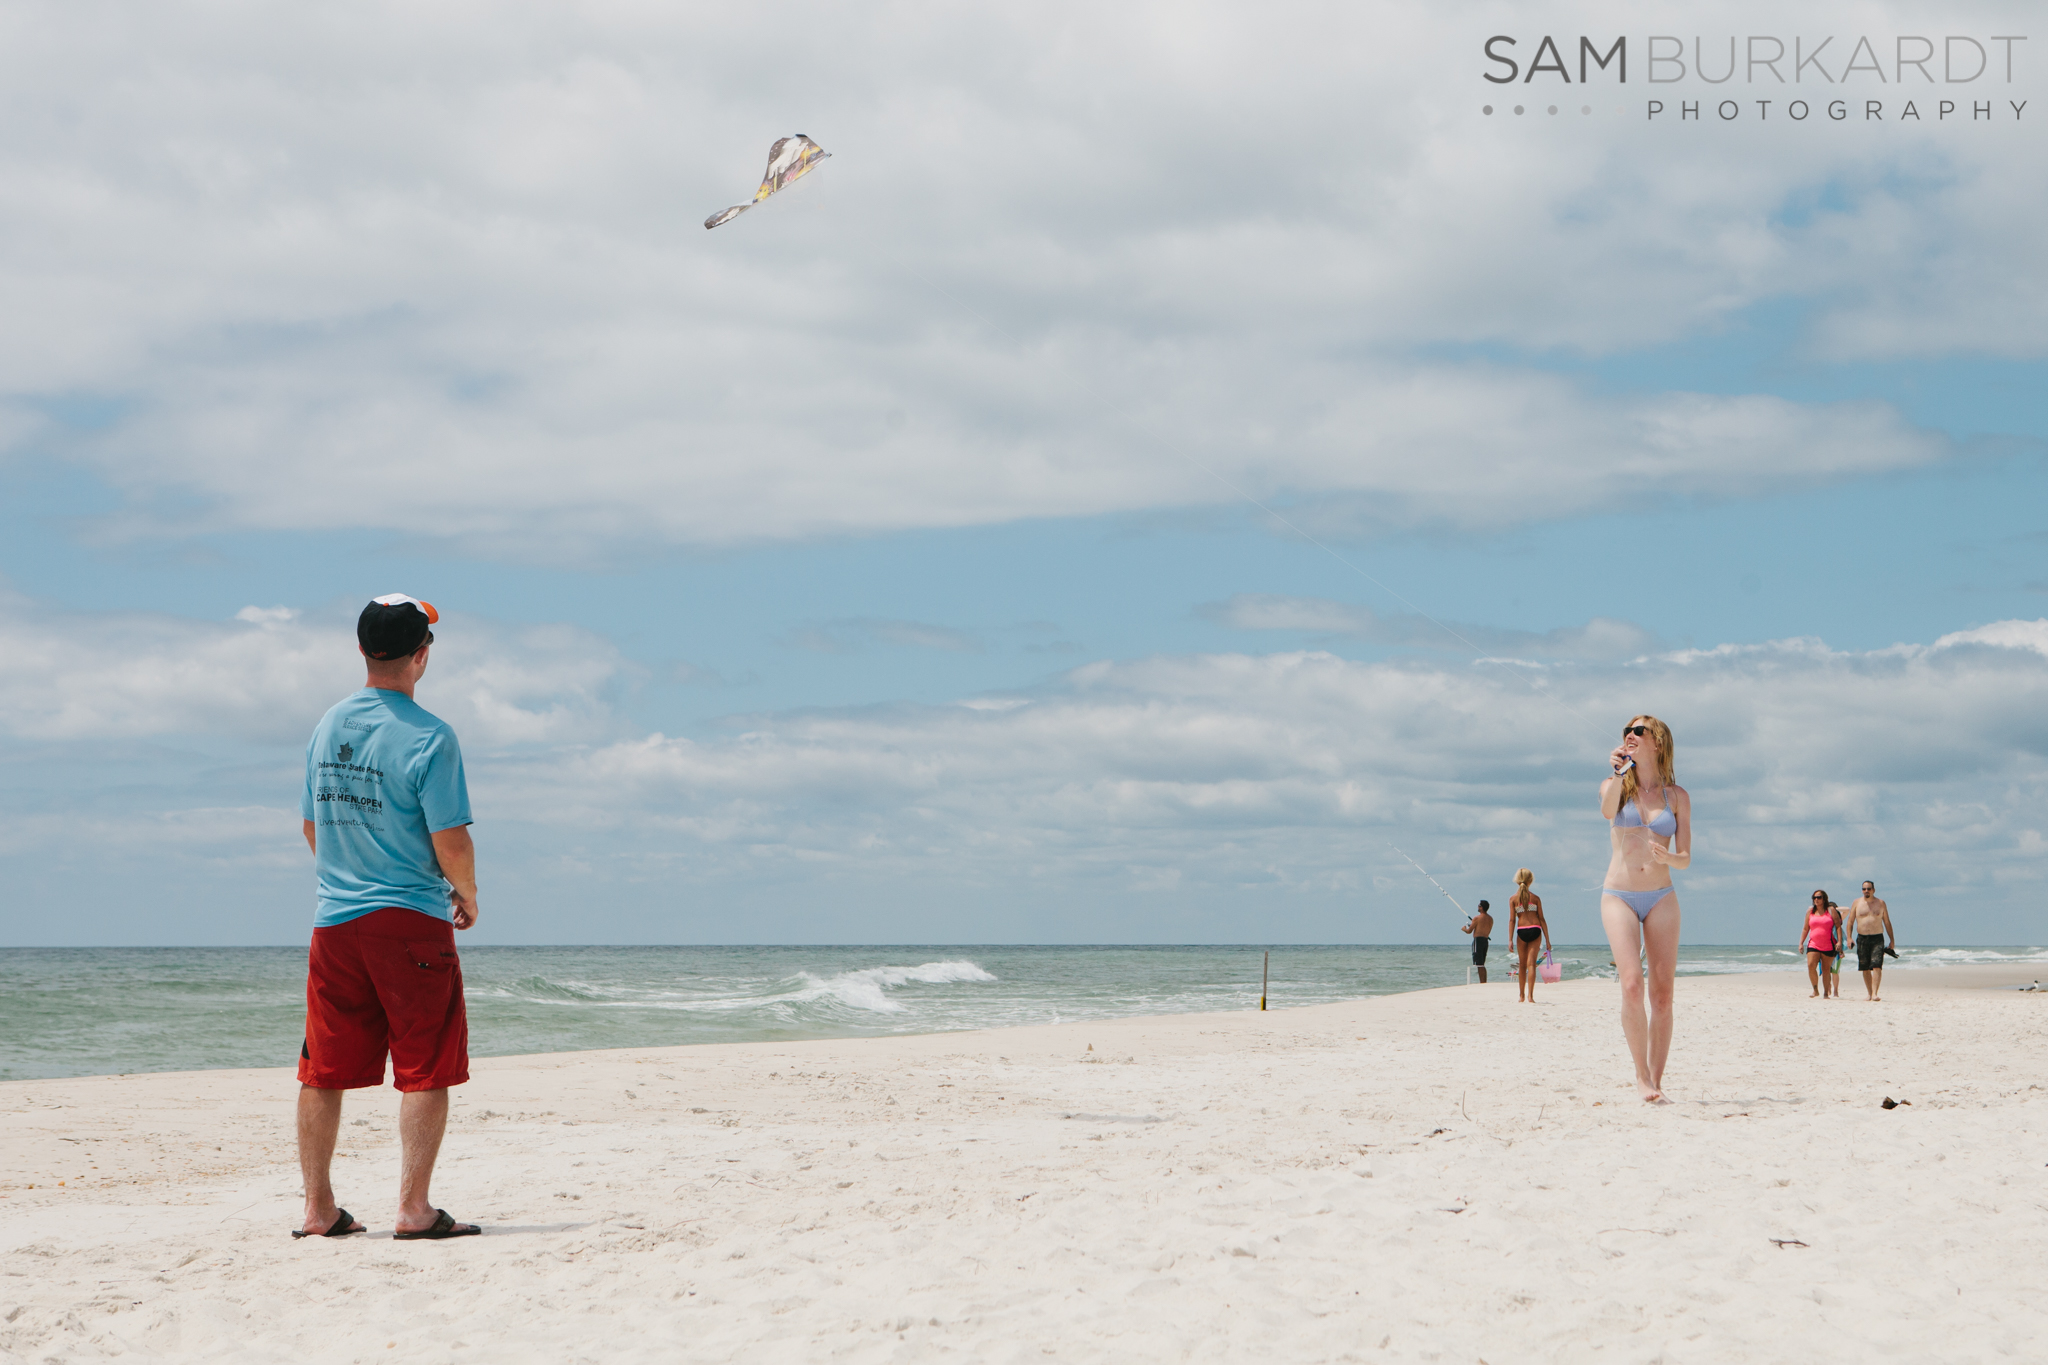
(1480, 926)
(1873, 920)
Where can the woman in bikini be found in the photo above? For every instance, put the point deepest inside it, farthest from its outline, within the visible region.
(1649, 820)
(1526, 909)
(1820, 934)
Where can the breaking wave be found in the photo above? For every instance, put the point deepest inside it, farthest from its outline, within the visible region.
(1968, 957)
(800, 999)
(868, 988)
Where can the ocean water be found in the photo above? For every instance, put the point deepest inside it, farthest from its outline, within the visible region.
(106, 1011)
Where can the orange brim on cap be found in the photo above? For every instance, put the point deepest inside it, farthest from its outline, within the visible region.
(395, 598)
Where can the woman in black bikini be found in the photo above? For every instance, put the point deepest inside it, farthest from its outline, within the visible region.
(1526, 907)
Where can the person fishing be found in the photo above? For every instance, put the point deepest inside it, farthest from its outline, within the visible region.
(1480, 926)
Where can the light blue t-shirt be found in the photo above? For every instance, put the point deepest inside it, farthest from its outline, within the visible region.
(383, 774)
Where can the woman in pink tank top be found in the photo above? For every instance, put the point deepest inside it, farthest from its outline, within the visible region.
(1822, 930)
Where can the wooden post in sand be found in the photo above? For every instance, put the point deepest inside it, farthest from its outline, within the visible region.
(1265, 972)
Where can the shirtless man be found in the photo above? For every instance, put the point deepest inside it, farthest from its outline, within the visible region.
(1480, 926)
(1873, 920)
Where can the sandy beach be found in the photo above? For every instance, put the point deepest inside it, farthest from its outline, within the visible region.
(1444, 1175)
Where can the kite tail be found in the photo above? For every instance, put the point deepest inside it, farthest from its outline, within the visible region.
(727, 215)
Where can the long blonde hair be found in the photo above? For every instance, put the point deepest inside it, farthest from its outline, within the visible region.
(1523, 876)
(1666, 764)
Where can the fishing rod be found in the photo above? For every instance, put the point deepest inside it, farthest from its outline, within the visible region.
(1454, 901)
(1432, 881)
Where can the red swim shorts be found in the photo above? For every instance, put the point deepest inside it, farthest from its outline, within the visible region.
(388, 981)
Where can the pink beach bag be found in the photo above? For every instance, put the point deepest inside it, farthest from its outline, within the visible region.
(1549, 971)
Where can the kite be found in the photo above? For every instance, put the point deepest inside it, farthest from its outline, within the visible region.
(789, 160)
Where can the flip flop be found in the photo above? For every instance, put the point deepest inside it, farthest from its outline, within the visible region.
(444, 1226)
(341, 1227)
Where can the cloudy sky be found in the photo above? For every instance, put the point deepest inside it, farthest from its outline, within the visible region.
(1171, 456)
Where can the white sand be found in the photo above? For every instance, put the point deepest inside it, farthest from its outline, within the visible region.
(1444, 1175)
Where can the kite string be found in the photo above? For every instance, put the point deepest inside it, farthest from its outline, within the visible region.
(1478, 655)
(804, 154)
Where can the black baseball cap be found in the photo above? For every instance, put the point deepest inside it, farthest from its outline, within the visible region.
(395, 625)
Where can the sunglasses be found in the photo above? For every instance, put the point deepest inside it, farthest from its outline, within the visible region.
(1637, 730)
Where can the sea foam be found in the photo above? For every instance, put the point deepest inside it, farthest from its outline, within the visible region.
(868, 987)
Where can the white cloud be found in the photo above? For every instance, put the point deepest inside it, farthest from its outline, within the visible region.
(850, 636)
(1601, 638)
(2002, 634)
(1805, 764)
(1062, 261)
(268, 676)
(1924, 766)
(238, 837)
